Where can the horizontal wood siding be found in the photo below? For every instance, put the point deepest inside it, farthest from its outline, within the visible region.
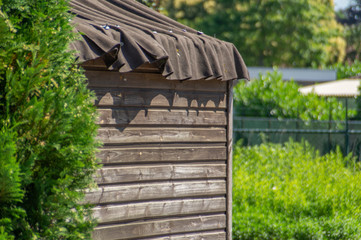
(120, 135)
(126, 116)
(151, 81)
(158, 98)
(164, 157)
(147, 191)
(161, 153)
(140, 173)
(208, 235)
(153, 209)
(134, 230)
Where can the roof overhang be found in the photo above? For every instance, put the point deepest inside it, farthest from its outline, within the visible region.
(127, 34)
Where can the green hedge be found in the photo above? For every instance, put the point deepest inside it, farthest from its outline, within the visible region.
(270, 96)
(47, 125)
(291, 192)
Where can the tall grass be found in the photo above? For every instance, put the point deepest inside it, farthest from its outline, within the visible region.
(291, 192)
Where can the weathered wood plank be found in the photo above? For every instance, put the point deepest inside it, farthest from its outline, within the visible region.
(113, 135)
(159, 227)
(161, 117)
(110, 79)
(153, 209)
(143, 154)
(147, 191)
(229, 158)
(158, 98)
(211, 235)
(124, 174)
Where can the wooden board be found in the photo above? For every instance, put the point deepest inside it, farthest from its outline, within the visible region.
(108, 79)
(153, 209)
(209, 235)
(143, 154)
(158, 98)
(229, 158)
(159, 227)
(133, 116)
(112, 135)
(153, 172)
(162, 190)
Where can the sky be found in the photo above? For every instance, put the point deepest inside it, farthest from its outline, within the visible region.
(341, 4)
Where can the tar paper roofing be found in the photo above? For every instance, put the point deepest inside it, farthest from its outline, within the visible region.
(128, 34)
(338, 88)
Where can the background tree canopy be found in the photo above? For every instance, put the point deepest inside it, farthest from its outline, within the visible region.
(351, 19)
(284, 33)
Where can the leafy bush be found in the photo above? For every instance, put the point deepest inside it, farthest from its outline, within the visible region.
(291, 192)
(270, 96)
(345, 70)
(47, 125)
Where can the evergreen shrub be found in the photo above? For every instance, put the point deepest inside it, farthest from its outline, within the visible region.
(291, 192)
(47, 125)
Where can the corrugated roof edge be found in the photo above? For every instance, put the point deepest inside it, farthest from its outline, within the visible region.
(127, 34)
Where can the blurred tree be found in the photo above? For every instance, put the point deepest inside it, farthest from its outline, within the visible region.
(352, 14)
(351, 19)
(269, 32)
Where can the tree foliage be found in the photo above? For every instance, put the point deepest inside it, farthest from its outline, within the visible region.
(47, 125)
(351, 20)
(269, 32)
(347, 70)
(270, 96)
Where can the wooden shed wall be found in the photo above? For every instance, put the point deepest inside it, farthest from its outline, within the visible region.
(164, 157)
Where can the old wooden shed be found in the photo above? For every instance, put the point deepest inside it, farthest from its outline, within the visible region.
(164, 96)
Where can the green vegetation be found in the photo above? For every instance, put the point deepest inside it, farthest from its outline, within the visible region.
(347, 70)
(290, 192)
(11, 193)
(350, 18)
(277, 32)
(270, 96)
(269, 33)
(47, 125)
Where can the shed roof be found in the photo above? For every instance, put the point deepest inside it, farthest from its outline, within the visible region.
(339, 88)
(128, 34)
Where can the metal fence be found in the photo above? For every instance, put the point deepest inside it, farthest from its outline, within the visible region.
(323, 135)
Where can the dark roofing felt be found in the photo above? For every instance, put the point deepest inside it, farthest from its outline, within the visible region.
(128, 34)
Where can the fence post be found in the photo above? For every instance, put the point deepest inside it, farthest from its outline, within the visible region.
(297, 124)
(346, 128)
(329, 125)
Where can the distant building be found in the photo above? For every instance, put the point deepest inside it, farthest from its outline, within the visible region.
(346, 88)
(303, 76)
